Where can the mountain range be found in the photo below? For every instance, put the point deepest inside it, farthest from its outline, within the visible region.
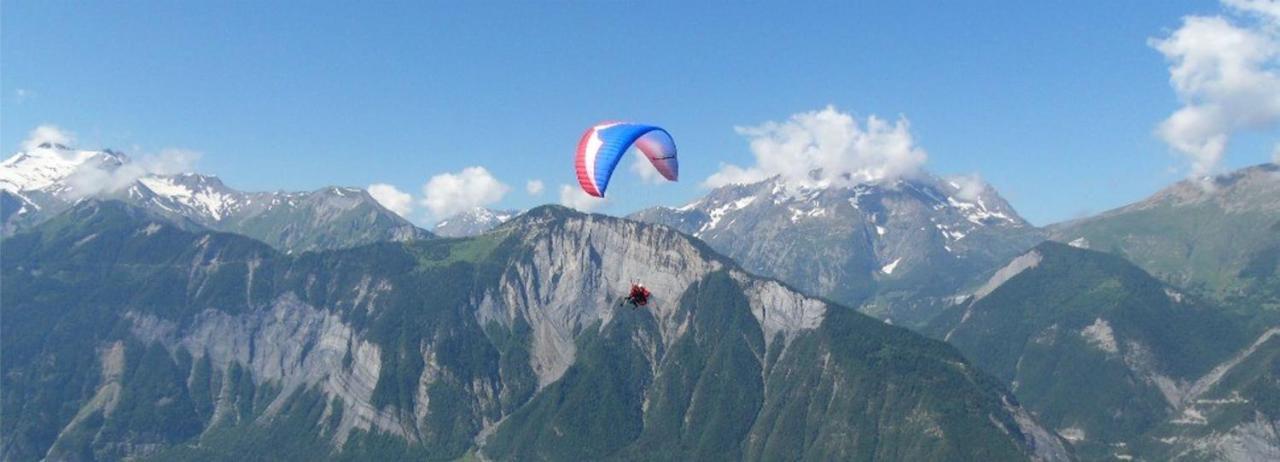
(39, 183)
(139, 338)
(168, 316)
(1124, 358)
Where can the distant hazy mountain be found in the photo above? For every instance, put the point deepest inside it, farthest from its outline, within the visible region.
(42, 182)
(472, 222)
(1218, 236)
(125, 336)
(1116, 360)
(904, 247)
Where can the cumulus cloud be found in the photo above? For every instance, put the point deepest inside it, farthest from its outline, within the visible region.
(826, 148)
(392, 198)
(48, 134)
(95, 178)
(533, 187)
(641, 166)
(446, 194)
(573, 197)
(1226, 71)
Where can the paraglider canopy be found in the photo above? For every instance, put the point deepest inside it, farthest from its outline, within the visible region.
(603, 145)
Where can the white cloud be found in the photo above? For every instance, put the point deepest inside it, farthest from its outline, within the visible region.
(733, 174)
(826, 147)
(48, 134)
(94, 178)
(392, 198)
(446, 194)
(1275, 154)
(1226, 72)
(641, 166)
(968, 187)
(574, 197)
(533, 187)
(1268, 9)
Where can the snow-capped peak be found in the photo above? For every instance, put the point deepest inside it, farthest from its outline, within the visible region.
(484, 214)
(48, 166)
(205, 195)
(472, 222)
(958, 206)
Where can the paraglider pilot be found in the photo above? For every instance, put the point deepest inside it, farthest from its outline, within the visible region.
(639, 296)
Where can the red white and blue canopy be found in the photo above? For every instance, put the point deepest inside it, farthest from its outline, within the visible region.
(603, 145)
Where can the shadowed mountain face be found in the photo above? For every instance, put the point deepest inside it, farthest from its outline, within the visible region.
(127, 336)
(1118, 362)
(899, 251)
(41, 183)
(1219, 237)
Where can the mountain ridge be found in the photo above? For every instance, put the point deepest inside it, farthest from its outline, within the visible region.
(1217, 237)
(1105, 353)
(417, 349)
(39, 183)
(899, 250)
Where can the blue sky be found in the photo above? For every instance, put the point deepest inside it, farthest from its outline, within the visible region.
(1054, 103)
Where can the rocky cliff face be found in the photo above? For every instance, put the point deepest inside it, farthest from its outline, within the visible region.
(138, 338)
(900, 248)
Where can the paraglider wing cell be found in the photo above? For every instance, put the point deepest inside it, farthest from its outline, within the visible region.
(603, 145)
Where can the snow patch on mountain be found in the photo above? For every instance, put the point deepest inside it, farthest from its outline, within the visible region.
(978, 213)
(717, 213)
(830, 238)
(40, 168)
(689, 206)
(46, 179)
(472, 222)
(207, 201)
(47, 168)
